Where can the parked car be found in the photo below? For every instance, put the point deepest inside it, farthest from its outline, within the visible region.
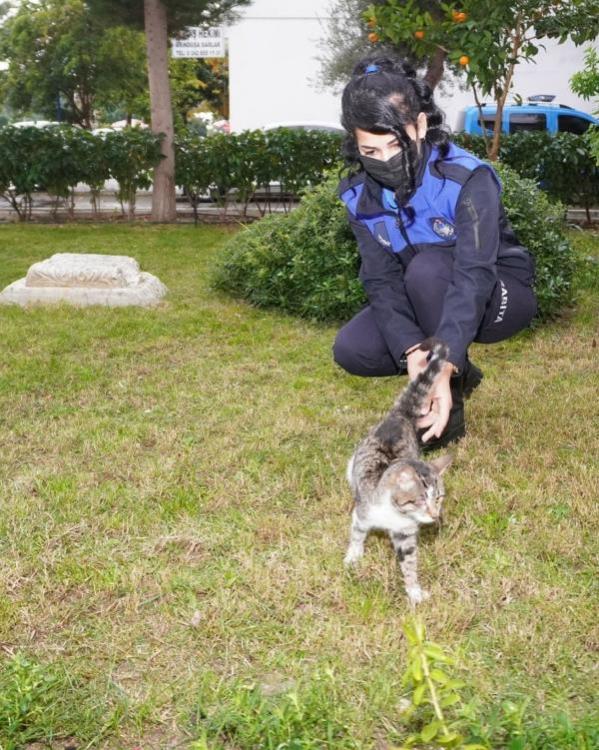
(540, 113)
(327, 127)
(35, 124)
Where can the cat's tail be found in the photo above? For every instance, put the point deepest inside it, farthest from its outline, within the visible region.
(413, 397)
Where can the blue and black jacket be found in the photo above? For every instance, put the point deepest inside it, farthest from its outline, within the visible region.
(457, 209)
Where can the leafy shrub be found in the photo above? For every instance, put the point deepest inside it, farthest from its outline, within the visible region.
(236, 165)
(473, 143)
(55, 159)
(191, 167)
(21, 166)
(563, 165)
(568, 171)
(526, 152)
(34, 159)
(591, 138)
(300, 158)
(93, 163)
(307, 263)
(585, 83)
(66, 156)
(132, 154)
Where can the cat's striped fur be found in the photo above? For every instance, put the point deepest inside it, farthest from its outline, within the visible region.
(394, 490)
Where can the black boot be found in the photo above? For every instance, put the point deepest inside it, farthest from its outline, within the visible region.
(473, 376)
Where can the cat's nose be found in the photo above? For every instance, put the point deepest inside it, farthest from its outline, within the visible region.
(433, 511)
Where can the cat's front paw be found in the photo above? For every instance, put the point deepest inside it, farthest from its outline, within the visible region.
(352, 556)
(416, 595)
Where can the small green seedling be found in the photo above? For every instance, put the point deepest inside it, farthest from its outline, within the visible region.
(433, 691)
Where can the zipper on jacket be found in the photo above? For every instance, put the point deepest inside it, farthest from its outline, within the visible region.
(475, 221)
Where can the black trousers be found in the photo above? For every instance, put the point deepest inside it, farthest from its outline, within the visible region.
(360, 348)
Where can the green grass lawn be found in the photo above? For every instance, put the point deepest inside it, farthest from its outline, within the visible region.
(174, 514)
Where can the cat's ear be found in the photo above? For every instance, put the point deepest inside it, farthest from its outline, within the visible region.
(441, 463)
(406, 480)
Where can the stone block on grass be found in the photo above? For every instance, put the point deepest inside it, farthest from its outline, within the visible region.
(84, 279)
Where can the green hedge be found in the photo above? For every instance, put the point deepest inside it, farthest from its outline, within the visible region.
(244, 167)
(562, 165)
(307, 262)
(56, 158)
(225, 167)
(281, 162)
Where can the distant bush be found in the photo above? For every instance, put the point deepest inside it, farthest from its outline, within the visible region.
(307, 262)
(20, 168)
(561, 165)
(280, 162)
(131, 155)
(55, 159)
(248, 167)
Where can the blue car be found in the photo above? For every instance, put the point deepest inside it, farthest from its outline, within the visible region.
(539, 114)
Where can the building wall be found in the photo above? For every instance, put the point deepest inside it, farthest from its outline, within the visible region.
(272, 62)
(273, 54)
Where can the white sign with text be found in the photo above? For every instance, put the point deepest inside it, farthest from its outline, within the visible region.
(200, 42)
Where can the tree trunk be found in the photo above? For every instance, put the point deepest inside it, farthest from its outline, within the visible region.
(493, 150)
(436, 66)
(163, 194)
(502, 89)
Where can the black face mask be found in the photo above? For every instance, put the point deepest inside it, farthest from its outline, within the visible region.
(393, 172)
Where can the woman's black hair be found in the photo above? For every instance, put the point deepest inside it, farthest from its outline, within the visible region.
(383, 96)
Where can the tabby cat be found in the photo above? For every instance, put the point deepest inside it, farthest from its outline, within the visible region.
(394, 490)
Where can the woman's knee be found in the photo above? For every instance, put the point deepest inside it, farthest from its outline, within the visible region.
(344, 354)
(357, 359)
(512, 309)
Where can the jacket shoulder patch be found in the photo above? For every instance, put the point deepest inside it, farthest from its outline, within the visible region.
(442, 228)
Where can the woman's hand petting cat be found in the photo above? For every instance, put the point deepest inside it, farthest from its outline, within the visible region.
(439, 407)
(436, 410)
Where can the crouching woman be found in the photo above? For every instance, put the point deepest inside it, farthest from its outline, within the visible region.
(438, 256)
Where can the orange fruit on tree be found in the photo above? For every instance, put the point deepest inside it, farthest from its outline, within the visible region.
(374, 38)
(464, 60)
(419, 34)
(371, 23)
(462, 17)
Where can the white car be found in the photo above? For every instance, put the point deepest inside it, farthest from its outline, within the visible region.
(328, 127)
(34, 124)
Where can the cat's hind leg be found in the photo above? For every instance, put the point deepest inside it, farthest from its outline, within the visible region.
(358, 534)
(405, 546)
